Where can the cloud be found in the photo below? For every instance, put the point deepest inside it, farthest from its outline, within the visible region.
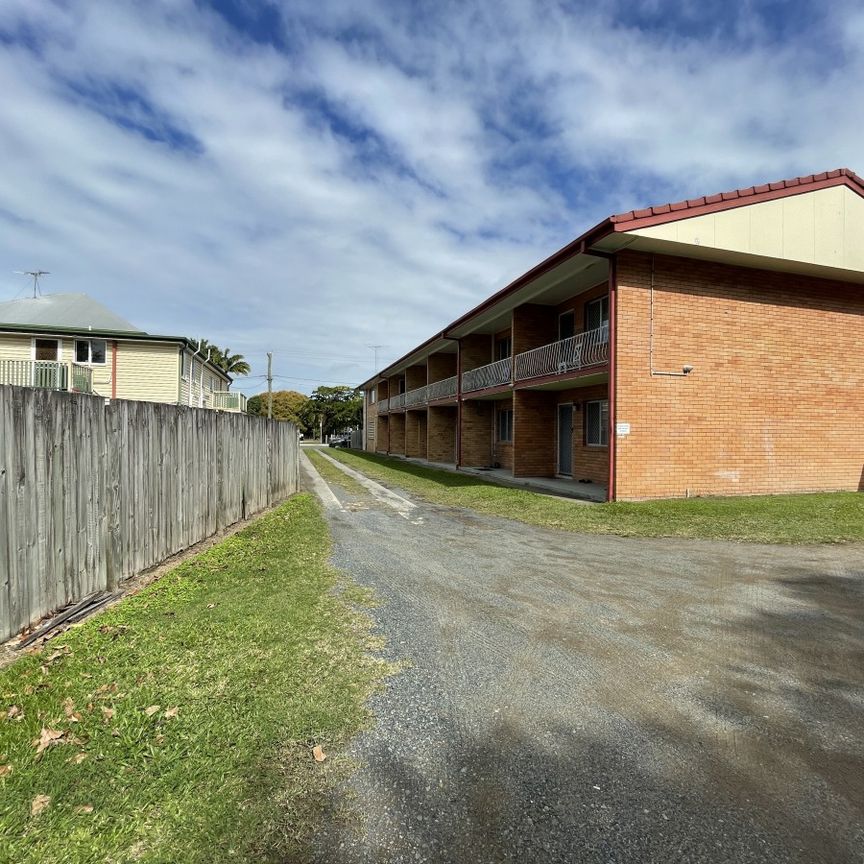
(314, 178)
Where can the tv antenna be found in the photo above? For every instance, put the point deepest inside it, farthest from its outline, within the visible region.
(376, 349)
(36, 274)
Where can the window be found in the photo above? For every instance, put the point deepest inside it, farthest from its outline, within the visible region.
(596, 313)
(46, 349)
(372, 396)
(503, 348)
(597, 423)
(505, 425)
(566, 325)
(90, 351)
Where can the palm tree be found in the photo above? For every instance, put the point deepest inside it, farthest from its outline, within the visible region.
(233, 364)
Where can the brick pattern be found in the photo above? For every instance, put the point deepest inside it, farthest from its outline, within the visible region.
(534, 433)
(382, 434)
(577, 304)
(589, 463)
(441, 434)
(476, 350)
(415, 376)
(369, 441)
(440, 366)
(477, 434)
(774, 403)
(397, 434)
(415, 434)
(533, 326)
(396, 385)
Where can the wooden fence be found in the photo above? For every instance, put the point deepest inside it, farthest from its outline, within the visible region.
(92, 493)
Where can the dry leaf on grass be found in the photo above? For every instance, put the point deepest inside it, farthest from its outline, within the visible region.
(107, 713)
(39, 803)
(47, 738)
(152, 710)
(69, 709)
(5, 769)
(62, 651)
(318, 753)
(14, 713)
(84, 808)
(211, 605)
(77, 759)
(171, 713)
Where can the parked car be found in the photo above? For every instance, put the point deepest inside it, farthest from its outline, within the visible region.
(340, 441)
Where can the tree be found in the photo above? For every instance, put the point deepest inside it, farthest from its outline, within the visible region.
(287, 405)
(233, 364)
(337, 409)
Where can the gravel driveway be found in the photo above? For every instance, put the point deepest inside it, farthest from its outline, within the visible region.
(601, 699)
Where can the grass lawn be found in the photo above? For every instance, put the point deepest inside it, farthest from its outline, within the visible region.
(332, 474)
(820, 518)
(180, 725)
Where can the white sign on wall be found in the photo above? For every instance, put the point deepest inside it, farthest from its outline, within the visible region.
(622, 429)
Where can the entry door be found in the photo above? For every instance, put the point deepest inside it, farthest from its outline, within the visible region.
(47, 372)
(565, 439)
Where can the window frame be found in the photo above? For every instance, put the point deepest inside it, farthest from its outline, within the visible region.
(504, 417)
(505, 343)
(603, 302)
(89, 343)
(602, 423)
(571, 314)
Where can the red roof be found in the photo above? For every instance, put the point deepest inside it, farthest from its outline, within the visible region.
(736, 198)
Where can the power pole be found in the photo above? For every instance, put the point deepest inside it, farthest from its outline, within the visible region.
(269, 385)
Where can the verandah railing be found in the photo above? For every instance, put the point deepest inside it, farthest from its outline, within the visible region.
(47, 375)
(492, 375)
(441, 389)
(585, 349)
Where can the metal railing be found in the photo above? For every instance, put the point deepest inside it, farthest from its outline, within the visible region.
(397, 401)
(224, 400)
(441, 389)
(47, 375)
(493, 375)
(585, 349)
(383, 406)
(416, 397)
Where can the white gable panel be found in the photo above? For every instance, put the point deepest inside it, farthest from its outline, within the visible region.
(825, 228)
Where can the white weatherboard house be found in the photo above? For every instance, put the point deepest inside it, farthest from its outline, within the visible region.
(72, 342)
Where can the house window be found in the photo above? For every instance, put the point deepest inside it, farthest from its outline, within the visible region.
(372, 396)
(46, 350)
(503, 348)
(597, 423)
(596, 313)
(90, 351)
(505, 425)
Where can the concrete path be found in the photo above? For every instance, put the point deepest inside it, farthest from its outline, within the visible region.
(598, 699)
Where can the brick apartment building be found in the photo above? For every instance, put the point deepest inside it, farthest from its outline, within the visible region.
(711, 346)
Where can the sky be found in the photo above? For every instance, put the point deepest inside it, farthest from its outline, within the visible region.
(318, 177)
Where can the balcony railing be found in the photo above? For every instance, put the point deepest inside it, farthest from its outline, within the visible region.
(493, 375)
(223, 400)
(383, 406)
(585, 349)
(416, 397)
(441, 389)
(397, 401)
(47, 375)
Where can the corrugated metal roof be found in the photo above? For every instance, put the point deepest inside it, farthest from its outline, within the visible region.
(72, 311)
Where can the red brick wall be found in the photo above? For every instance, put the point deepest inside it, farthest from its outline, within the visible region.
(397, 434)
(534, 433)
(371, 428)
(415, 376)
(533, 326)
(441, 366)
(477, 434)
(441, 435)
(393, 387)
(415, 434)
(776, 400)
(476, 350)
(577, 304)
(382, 436)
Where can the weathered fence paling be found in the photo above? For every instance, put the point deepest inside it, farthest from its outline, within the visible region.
(92, 493)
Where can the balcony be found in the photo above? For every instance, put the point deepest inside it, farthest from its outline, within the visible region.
(415, 397)
(590, 348)
(47, 375)
(223, 400)
(496, 374)
(445, 389)
(383, 406)
(397, 401)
